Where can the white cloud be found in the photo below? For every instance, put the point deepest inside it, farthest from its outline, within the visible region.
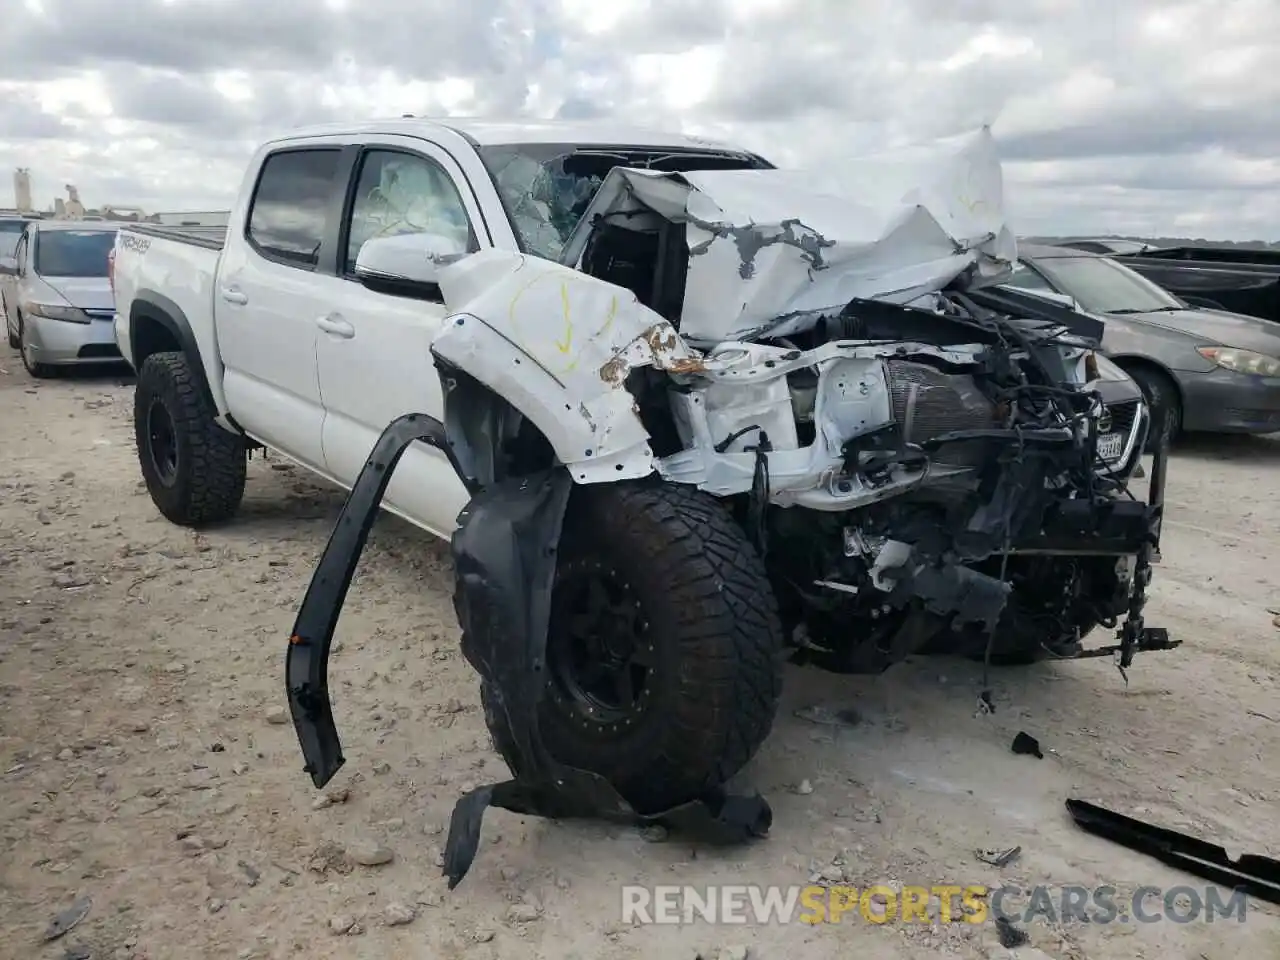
(1147, 116)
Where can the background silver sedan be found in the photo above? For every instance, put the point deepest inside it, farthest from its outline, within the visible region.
(1200, 369)
(58, 304)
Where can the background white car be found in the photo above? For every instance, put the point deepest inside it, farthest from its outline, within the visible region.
(57, 298)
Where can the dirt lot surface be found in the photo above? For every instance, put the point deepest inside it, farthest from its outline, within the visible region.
(145, 762)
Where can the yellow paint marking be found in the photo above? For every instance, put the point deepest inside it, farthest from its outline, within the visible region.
(568, 320)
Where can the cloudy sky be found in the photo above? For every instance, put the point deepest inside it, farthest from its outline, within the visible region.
(1134, 116)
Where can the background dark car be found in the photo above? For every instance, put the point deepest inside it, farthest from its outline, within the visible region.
(1200, 369)
(1224, 278)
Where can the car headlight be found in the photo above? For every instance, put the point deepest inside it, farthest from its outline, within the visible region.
(56, 311)
(1241, 361)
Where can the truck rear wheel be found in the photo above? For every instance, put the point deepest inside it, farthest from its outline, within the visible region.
(193, 468)
(664, 654)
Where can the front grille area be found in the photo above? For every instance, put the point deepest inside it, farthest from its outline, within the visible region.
(1124, 422)
(99, 351)
(1123, 415)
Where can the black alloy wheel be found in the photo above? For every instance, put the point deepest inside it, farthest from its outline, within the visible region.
(600, 657)
(162, 442)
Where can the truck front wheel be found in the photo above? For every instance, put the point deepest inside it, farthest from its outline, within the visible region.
(193, 468)
(664, 653)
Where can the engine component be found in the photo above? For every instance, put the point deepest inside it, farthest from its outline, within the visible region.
(929, 403)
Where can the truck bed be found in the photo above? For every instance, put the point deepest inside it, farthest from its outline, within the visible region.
(212, 238)
(169, 274)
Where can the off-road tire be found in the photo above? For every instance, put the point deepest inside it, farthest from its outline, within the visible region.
(718, 639)
(1162, 400)
(40, 371)
(209, 479)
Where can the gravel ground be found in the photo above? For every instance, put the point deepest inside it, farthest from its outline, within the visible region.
(146, 763)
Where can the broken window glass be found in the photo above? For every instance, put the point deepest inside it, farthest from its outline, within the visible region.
(546, 188)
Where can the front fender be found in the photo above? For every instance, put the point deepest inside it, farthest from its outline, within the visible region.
(558, 345)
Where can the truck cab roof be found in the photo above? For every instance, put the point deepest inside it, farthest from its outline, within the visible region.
(498, 132)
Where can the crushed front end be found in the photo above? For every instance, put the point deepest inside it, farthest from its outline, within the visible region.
(951, 479)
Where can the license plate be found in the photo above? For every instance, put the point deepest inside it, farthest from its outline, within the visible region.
(1110, 446)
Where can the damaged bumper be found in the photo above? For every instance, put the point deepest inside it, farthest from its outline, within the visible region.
(961, 578)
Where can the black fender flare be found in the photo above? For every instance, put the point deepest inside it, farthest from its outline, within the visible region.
(156, 307)
(504, 554)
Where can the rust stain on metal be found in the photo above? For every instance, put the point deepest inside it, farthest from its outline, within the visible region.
(685, 365)
(663, 342)
(659, 343)
(614, 371)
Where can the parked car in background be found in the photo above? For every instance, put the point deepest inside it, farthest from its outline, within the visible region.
(1201, 370)
(1220, 278)
(1105, 245)
(58, 302)
(10, 233)
(10, 230)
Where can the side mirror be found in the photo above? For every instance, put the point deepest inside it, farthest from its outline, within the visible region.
(407, 264)
(8, 267)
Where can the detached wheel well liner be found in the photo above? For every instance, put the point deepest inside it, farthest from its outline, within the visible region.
(720, 651)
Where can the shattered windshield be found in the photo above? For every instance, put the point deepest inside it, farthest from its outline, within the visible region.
(546, 187)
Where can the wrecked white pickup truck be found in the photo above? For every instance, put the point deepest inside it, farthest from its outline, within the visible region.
(702, 414)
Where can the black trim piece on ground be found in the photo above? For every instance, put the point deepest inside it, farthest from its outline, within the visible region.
(1256, 875)
(505, 558)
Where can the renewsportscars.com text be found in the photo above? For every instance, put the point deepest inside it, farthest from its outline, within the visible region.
(948, 903)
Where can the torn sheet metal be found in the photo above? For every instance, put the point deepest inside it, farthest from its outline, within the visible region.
(766, 245)
(744, 394)
(558, 346)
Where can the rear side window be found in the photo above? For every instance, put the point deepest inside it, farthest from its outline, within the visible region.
(290, 205)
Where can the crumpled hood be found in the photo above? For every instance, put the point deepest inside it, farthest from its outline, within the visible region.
(87, 293)
(768, 248)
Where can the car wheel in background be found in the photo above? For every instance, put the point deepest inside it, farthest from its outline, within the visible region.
(1164, 402)
(193, 468)
(41, 371)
